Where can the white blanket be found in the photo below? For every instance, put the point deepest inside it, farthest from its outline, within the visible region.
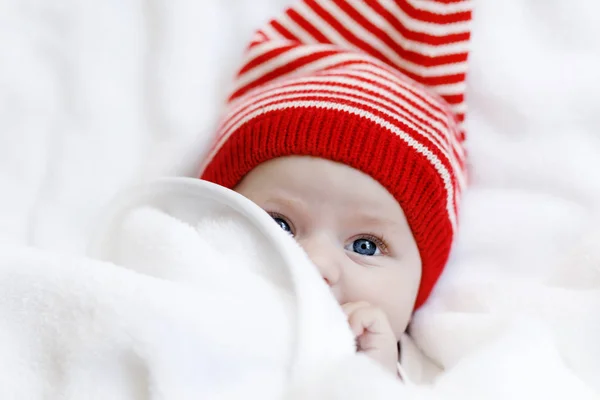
(97, 95)
(200, 295)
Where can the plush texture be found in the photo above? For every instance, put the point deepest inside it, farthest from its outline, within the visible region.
(192, 292)
(376, 85)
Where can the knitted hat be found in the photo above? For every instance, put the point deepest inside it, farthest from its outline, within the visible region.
(377, 85)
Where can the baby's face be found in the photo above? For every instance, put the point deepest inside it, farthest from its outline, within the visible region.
(350, 226)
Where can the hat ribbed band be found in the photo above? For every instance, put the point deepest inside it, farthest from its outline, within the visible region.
(410, 173)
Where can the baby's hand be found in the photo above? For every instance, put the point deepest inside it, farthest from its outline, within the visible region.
(374, 334)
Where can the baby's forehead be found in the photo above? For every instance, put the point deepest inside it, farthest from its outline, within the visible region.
(320, 185)
(362, 210)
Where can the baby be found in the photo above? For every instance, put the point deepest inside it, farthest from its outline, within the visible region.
(344, 125)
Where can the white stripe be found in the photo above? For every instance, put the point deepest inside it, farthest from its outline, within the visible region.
(435, 71)
(305, 83)
(322, 26)
(339, 93)
(327, 83)
(395, 83)
(258, 37)
(367, 71)
(410, 45)
(360, 32)
(317, 65)
(441, 143)
(388, 95)
(296, 30)
(335, 37)
(419, 147)
(371, 39)
(440, 125)
(416, 25)
(450, 89)
(425, 99)
(429, 104)
(460, 177)
(261, 49)
(364, 72)
(271, 33)
(400, 84)
(437, 7)
(460, 108)
(461, 126)
(279, 61)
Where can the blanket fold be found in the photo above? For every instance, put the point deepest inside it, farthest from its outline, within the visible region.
(191, 291)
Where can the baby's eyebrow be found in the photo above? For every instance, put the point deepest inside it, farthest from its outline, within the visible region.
(374, 220)
(287, 201)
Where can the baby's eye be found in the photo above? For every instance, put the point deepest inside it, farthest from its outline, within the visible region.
(283, 224)
(365, 247)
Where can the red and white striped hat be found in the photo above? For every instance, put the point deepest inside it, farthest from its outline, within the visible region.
(377, 85)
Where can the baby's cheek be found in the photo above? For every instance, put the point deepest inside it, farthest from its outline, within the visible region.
(394, 289)
(357, 285)
(370, 284)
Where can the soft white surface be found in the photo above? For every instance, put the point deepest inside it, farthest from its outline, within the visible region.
(529, 244)
(170, 314)
(96, 95)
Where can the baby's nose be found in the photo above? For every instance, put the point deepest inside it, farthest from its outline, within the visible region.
(325, 256)
(329, 275)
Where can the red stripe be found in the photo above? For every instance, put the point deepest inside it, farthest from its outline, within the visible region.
(402, 126)
(429, 17)
(345, 33)
(283, 31)
(404, 84)
(398, 94)
(433, 81)
(409, 86)
(242, 112)
(283, 70)
(343, 64)
(459, 161)
(263, 58)
(433, 40)
(261, 38)
(307, 26)
(462, 136)
(443, 79)
(454, 98)
(400, 103)
(425, 140)
(293, 82)
(414, 56)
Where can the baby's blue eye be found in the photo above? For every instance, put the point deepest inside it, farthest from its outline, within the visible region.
(365, 247)
(283, 224)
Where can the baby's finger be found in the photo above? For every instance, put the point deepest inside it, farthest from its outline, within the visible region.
(350, 308)
(368, 319)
